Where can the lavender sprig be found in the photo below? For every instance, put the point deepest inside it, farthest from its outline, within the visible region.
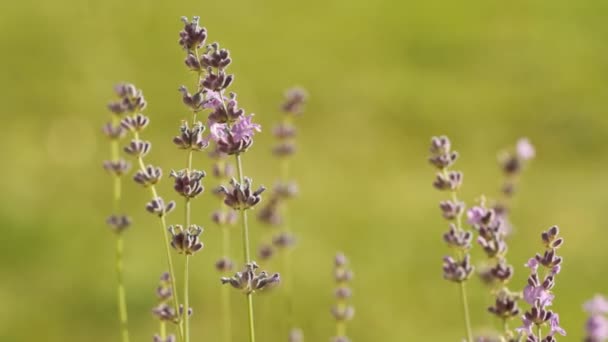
(342, 311)
(538, 291)
(117, 167)
(596, 327)
(456, 268)
(188, 181)
(132, 102)
(229, 128)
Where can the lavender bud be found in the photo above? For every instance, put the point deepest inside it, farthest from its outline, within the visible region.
(284, 149)
(270, 213)
(186, 241)
(248, 281)
(286, 189)
(345, 313)
(265, 252)
(192, 36)
(113, 132)
(150, 176)
(284, 240)
(457, 271)
(241, 197)
(118, 223)
(188, 183)
(284, 131)
(194, 101)
(164, 312)
(157, 206)
(118, 167)
(138, 148)
(215, 57)
(450, 209)
(450, 181)
(343, 293)
(191, 138)
(135, 123)
(170, 338)
(295, 98)
(216, 81)
(224, 265)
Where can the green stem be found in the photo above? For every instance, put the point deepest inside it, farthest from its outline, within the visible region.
(186, 301)
(227, 333)
(246, 251)
(122, 298)
(121, 293)
(163, 330)
(465, 311)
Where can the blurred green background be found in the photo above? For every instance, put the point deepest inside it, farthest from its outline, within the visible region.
(383, 77)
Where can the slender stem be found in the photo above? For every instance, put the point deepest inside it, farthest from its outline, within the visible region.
(122, 298)
(465, 310)
(246, 251)
(225, 290)
(340, 329)
(163, 226)
(121, 293)
(540, 333)
(163, 330)
(186, 301)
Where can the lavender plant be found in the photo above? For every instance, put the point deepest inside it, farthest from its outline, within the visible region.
(596, 327)
(232, 133)
(117, 167)
(456, 268)
(132, 101)
(538, 291)
(342, 311)
(275, 213)
(188, 181)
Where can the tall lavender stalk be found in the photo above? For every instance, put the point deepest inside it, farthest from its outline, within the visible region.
(225, 218)
(132, 101)
(117, 167)
(456, 268)
(275, 213)
(232, 132)
(538, 291)
(188, 181)
(342, 311)
(596, 327)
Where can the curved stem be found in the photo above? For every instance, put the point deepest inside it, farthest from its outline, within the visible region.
(246, 252)
(163, 226)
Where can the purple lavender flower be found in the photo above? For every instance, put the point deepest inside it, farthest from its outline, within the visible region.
(538, 291)
(250, 281)
(476, 214)
(235, 138)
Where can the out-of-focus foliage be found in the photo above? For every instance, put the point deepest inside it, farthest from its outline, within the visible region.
(383, 77)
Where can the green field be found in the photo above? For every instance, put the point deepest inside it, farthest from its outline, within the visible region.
(383, 77)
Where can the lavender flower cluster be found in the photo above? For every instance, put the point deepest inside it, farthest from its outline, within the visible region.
(342, 311)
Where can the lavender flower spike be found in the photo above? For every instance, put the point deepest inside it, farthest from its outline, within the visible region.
(538, 291)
